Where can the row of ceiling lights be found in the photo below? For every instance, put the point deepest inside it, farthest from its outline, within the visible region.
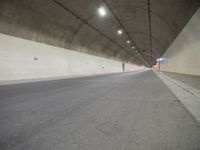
(102, 12)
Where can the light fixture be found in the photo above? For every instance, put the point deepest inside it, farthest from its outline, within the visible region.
(133, 47)
(102, 11)
(136, 51)
(119, 31)
(128, 42)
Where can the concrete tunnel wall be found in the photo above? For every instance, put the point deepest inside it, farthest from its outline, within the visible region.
(183, 56)
(24, 59)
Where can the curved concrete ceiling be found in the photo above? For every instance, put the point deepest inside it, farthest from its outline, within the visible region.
(75, 24)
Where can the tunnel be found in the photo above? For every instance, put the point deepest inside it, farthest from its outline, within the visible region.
(99, 75)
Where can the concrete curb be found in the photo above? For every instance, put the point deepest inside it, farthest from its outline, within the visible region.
(57, 78)
(182, 85)
(186, 94)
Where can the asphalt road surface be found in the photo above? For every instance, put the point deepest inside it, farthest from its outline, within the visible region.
(127, 111)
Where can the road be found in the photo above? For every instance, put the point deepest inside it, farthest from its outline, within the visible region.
(125, 111)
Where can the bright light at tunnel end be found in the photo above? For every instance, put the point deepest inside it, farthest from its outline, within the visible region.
(102, 11)
(160, 59)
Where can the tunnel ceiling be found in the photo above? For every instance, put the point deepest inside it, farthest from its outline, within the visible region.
(150, 25)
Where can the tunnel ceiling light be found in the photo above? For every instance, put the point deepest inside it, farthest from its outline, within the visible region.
(128, 42)
(136, 51)
(119, 32)
(102, 11)
(133, 47)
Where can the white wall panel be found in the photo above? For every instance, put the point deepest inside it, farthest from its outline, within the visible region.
(24, 59)
(183, 56)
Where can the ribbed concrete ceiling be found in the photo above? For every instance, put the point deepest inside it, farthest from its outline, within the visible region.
(151, 25)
